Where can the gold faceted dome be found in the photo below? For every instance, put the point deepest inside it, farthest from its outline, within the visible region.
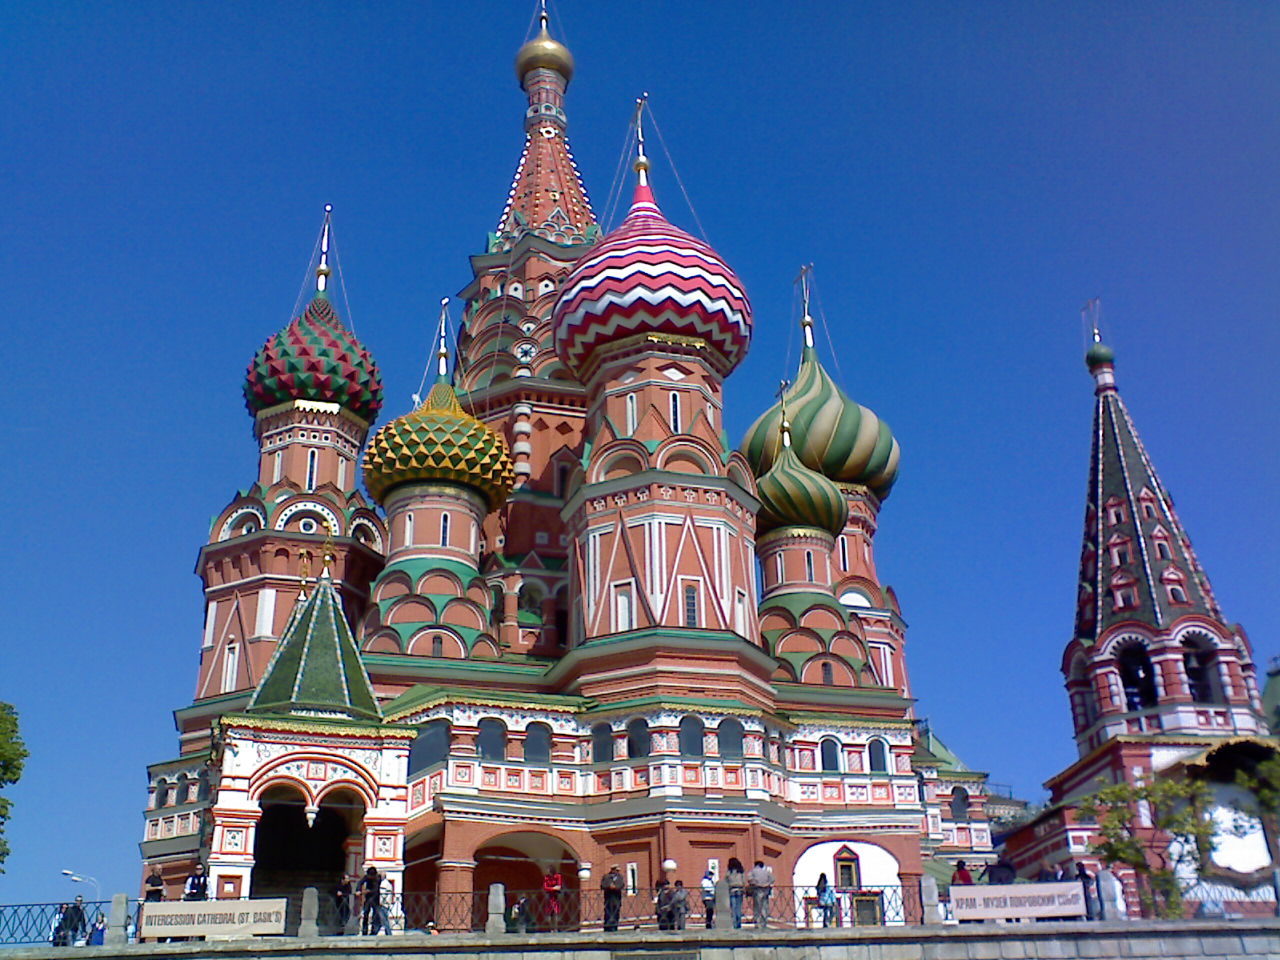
(439, 442)
(544, 51)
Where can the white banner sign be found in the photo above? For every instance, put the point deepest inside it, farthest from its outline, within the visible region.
(213, 918)
(1013, 901)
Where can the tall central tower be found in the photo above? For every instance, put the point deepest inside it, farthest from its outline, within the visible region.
(508, 373)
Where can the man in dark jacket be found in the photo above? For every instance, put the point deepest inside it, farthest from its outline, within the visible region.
(612, 885)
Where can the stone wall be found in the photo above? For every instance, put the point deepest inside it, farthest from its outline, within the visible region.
(1220, 939)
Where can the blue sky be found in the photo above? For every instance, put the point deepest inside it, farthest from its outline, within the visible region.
(963, 176)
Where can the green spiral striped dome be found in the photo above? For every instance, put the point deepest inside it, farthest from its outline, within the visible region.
(439, 441)
(792, 495)
(841, 439)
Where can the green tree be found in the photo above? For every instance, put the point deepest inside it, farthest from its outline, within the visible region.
(1176, 831)
(1261, 779)
(12, 755)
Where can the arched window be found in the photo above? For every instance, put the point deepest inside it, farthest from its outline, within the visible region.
(844, 554)
(431, 746)
(492, 741)
(408, 529)
(877, 757)
(1137, 677)
(691, 732)
(631, 413)
(959, 804)
(830, 751)
(203, 789)
(444, 529)
(164, 793)
(437, 646)
(537, 743)
(828, 674)
(675, 412)
(637, 738)
(1177, 595)
(729, 737)
(601, 743)
(1200, 663)
(313, 459)
(808, 565)
(1163, 551)
(180, 794)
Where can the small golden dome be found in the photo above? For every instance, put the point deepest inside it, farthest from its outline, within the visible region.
(543, 51)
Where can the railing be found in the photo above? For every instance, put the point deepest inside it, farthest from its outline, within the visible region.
(1209, 898)
(42, 923)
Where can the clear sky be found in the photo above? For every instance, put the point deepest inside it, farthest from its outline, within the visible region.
(963, 175)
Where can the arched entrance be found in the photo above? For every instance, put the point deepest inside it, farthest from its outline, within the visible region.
(521, 861)
(297, 846)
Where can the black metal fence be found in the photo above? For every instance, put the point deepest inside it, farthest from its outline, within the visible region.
(55, 924)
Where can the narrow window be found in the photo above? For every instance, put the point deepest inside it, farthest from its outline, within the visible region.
(778, 568)
(691, 733)
(622, 614)
(437, 646)
(808, 565)
(562, 480)
(675, 412)
(1163, 551)
(637, 738)
(230, 667)
(313, 457)
(444, 529)
(828, 675)
(690, 605)
(279, 467)
(729, 737)
(830, 750)
(631, 414)
(711, 416)
(537, 743)
(408, 529)
(1137, 677)
(1149, 511)
(848, 875)
(491, 742)
(1177, 595)
(740, 613)
(342, 473)
(601, 743)
(844, 554)
(959, 804)
(877, 757)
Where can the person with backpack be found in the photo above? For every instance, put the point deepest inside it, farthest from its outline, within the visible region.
(709, 898)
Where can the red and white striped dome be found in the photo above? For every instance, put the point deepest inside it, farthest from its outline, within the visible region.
(648, 276)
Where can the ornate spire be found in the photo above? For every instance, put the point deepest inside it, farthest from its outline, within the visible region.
(1137, 563)
(316, 668)
(547, 197)
(322, 269)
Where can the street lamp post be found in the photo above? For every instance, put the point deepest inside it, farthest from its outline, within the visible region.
(76, 878)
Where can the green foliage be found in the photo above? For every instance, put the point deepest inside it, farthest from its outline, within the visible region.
(1263, 781)
(12, 755)
(1176, 832)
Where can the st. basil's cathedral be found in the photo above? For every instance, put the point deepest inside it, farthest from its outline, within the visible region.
(556, 620)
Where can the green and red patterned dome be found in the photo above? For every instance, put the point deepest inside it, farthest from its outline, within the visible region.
(315, 358)
(439, 442)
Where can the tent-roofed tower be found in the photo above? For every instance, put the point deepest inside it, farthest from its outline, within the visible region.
(507, 370)
(1152, 652)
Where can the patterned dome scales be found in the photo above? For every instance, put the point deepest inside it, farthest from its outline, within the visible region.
(439, 442)
(792, 495)
(315, 358)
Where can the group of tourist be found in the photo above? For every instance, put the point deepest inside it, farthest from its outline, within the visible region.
(71, 927)
(367, 890)
(673, 902)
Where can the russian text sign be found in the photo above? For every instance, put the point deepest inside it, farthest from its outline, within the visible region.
(213, 918)
(1015, 901)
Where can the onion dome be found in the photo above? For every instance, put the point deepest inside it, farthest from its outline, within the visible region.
(315, 358)
(1099, 354)
(648, 276)
(442, 442)
(792, 495)
(841, 439)
(543, 51)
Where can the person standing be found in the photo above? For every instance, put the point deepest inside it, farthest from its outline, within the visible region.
(58, 930)
(552, 885)
(826, 899)
(679, 905)
(372, 913)
(760, 882)
(961, 877)
(612, 886)
(664, 903)
(98, 932)
(736, 878)
(155, 885)
(1087, 883)
(75, 925)
(197, 885)
(708, 885)
(1000, 872)
(342, 902)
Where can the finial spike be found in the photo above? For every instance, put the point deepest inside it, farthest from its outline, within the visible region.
(1091, 312)
(542, 15)
(642, 161)
(806, 321)
(322, 271)
(443, 350)
(785, 426)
